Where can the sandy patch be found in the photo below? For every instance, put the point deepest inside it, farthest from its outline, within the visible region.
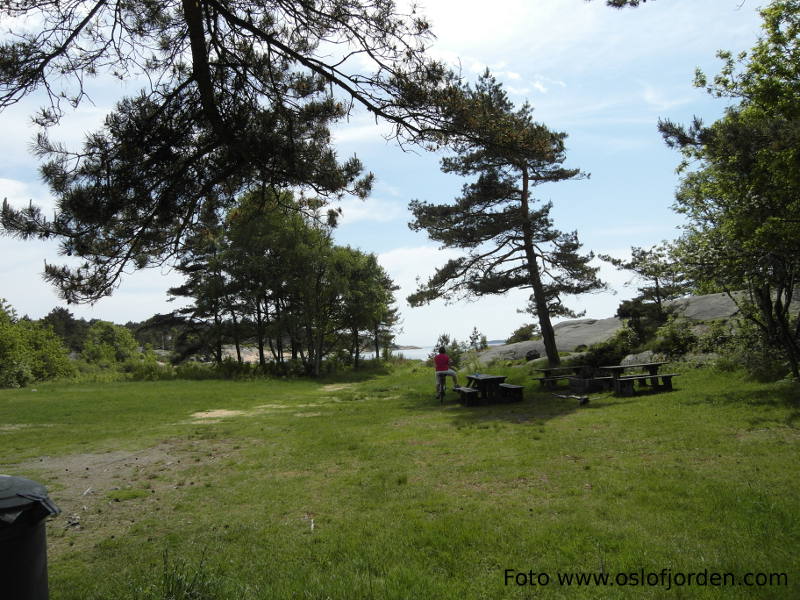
(217, 414)
(336, 387)
(18, 426)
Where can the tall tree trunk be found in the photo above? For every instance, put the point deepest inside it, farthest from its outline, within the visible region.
(278, 331)
(542, 312)
(356, 349)
(236, 341)
(377, 343)
(260, 334)
(218, 335)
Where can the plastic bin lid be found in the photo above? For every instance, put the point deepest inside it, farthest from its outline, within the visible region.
(18, 492)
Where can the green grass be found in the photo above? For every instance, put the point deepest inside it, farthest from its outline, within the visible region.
(368, 488)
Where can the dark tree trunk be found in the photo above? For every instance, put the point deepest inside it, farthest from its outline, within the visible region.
(542, 312)
(260, 334)
(236, 341)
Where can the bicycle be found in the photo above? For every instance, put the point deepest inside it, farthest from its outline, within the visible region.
(440, 386)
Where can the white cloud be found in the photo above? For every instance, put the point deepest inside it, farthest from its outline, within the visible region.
(517, 91)
(372, 209)
(540, 87)
(657, 99)
(20, 193)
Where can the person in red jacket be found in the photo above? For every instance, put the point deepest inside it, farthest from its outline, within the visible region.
(441, 362)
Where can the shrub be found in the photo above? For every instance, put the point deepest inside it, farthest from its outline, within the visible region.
(48, 357)
(107, 344)
(523, 333)
(195, 370)
(674, 338)
(613, 350)
(148, 368)
(717, 338)
(29, 351)
(231, 368)
(746, 348)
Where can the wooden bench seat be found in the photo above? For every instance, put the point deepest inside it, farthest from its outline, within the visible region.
(623, 385)
(510, 391)
(467, 395)
(550, 382)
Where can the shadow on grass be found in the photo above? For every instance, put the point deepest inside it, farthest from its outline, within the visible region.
(537, 407)
(769, 395)
(365, 373)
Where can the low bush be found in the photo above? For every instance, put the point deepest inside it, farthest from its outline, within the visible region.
(612, 351)
(29, 351)
(149, 369)
(195, 370)
(673, 339)
(745, 348)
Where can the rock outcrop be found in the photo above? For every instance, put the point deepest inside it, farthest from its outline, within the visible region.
(572, 335)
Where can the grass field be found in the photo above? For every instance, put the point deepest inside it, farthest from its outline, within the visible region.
(365, 487)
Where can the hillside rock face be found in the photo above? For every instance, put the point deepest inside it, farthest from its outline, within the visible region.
(585, 332)
(704, 308)
(569, 335)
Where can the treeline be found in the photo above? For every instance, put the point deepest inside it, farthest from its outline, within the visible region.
(60, 346)
(270, 276)
(264, 276)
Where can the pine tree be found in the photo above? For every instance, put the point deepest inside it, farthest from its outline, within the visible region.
(510, 241)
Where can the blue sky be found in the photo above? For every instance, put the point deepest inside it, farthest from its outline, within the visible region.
(603, 76)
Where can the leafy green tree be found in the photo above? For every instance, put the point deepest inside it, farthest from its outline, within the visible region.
(14, 368)
(203, 267)
(67, 327)
(658, 269)
(366, 300)
(452, 347)
(269, 259)
(477, 341)
(523, 333)
(742, 199)
(233, 93)
(29, 351)
(509, 241)
(108, 344)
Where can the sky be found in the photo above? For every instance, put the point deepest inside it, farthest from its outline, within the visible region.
(603, 76)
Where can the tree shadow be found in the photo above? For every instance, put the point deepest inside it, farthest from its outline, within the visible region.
(787, 396)
(536, 407)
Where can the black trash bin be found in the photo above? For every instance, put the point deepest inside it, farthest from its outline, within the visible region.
(24, 504)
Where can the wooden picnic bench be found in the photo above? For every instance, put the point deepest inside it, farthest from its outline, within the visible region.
(509, 391)
(485, 388)
(552, 375)
(488, 385)
(624, 384)
(468, 396)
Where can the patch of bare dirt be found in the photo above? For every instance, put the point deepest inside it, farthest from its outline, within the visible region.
(216, 414)
(336, 387)
(103, 495)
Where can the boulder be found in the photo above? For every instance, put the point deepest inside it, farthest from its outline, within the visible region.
(710, 307)
(532, 355)
(642, 357)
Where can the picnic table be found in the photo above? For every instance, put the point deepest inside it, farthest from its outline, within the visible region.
(551, 375)
(623, 384)
(488, 386)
